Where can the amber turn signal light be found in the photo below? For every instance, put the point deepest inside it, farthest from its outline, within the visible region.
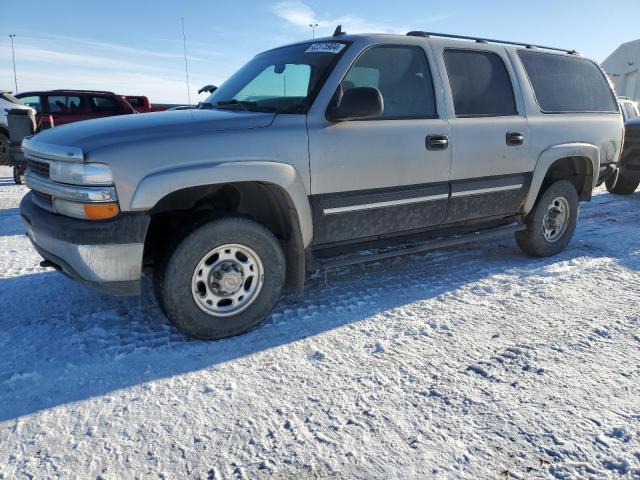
(101, 211)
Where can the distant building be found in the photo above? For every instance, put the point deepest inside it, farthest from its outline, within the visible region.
(623, 68)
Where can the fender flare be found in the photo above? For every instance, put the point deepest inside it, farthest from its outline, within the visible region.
(557, 152)
(155, 186)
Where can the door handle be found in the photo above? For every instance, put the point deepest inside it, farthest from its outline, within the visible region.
(437, 142)
(515, 139)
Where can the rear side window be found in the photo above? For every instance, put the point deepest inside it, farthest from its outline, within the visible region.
(480, 84)
(403, 77)
(105, 104)
(64, 104)
(564, 84)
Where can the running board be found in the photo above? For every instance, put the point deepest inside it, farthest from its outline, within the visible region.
(413, 247)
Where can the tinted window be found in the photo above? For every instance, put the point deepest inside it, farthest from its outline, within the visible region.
(480, 84)
(64, 104)
(105, 104)
(135, 102)
(567, 84)
(33, 102)
(401, 74)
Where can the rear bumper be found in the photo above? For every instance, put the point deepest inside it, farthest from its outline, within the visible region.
(106, 255)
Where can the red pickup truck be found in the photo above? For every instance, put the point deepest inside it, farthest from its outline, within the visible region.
(67, 106)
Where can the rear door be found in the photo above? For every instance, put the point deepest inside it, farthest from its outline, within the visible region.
(490, 135)
(380, 177)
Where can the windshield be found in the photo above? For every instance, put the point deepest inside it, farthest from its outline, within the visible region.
(285, 80)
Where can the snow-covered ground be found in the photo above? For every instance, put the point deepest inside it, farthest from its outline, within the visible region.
(471, 363)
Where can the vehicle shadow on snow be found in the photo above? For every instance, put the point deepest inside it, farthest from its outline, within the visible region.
(11, 223)
(61, 342)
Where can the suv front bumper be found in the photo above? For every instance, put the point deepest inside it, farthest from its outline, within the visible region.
(106, 255)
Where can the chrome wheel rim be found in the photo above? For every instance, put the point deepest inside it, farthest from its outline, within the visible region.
(227, 280)
(556, 219)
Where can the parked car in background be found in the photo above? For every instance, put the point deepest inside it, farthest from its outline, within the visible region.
(322, 154)
(627, 178)
(7, 102)
(68, 106)
(628, 107)
(141, 104)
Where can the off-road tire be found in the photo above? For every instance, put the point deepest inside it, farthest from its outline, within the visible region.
(4, 149)
(532, 240)
(623, 185)
(173, 278)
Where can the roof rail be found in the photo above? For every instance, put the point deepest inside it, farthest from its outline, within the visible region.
(83, 91)
(419, 33)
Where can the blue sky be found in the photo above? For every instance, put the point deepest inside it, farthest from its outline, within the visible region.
(135, 46)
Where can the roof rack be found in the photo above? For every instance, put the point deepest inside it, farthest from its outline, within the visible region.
(419, 33)
(83, 91)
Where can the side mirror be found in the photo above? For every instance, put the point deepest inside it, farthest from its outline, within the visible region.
(208, 88)
(359, 103)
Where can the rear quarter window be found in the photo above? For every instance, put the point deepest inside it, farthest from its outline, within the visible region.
(568, 84)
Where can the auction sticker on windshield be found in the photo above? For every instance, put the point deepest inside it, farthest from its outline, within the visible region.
(325, 47)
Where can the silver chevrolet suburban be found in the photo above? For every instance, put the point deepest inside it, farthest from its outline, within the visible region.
(320, 154)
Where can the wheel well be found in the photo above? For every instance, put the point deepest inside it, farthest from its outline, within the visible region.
(578, 170)
(178, 213)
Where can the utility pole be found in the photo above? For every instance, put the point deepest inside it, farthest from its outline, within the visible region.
(313, 29)
(13, 54)
(186, 64)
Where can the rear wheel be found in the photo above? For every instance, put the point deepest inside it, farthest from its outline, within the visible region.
(622, 185)
(223, 279)
(552, 222)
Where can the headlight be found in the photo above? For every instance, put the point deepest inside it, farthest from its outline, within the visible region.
(80, 173)
(86, 211)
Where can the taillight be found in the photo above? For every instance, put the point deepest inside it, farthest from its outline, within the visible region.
(44, 122)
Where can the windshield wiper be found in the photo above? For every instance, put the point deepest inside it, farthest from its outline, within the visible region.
(242, 103)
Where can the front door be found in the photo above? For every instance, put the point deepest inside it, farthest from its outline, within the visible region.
(490, 138)
(388, 175)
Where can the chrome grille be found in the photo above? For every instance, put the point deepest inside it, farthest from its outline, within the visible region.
(39, 168)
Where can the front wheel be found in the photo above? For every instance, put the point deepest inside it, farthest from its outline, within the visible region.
(552, 222)
(223, 279)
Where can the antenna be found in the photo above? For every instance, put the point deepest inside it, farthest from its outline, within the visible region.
(338, 31)
(186, 64)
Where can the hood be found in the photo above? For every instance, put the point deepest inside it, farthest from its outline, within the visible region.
(89, 135)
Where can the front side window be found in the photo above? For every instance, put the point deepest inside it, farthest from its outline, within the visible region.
(480, 84)
(33, 102)
(64, 104)
(403, 77)
(564, 83)
(284, 80)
